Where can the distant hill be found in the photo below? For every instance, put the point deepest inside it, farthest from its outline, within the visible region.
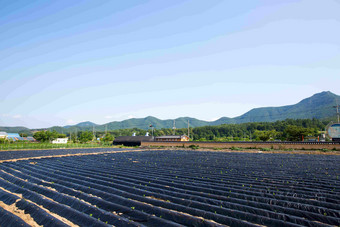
(18, 129)
(82, 124)
(144, 123)
(319, 106)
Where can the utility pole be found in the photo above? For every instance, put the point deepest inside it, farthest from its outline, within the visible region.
(174, 127)
(151, 126)
(94, 134)
(105, 130)
(337, 112)
(188, 129)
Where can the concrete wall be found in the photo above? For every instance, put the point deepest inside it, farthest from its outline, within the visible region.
(280, 146)
(60, 141)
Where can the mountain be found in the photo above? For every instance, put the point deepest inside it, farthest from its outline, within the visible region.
(82, 125)
(18, 129)
(142, 123)
(319, 106)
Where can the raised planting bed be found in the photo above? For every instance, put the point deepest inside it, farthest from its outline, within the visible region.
(173, 188)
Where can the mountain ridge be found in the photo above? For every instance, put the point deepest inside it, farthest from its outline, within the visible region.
(319, 106)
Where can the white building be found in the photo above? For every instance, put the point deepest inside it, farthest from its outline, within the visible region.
(60, 140)
(3, 135)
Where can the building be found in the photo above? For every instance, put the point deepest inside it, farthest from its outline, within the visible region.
(173, 138)
(30, 139)
(132, 140)
(60, 141)
(3, 135)
(14, 137)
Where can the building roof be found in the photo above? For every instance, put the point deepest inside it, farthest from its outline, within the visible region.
(12, 135)
(133, 138)
(3, 134)
(170, 137)
(30, 138)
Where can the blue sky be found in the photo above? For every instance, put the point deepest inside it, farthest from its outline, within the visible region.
(64, 62)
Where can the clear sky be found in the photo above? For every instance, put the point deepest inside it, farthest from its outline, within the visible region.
(63, 62)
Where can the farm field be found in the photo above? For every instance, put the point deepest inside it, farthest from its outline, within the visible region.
(20, 154)
(172, 188)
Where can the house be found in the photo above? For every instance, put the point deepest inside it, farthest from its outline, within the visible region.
(60, 141)
(173, 138)
(3, 135)
(132, 140)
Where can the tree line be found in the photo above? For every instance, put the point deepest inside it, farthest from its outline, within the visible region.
(286, 130)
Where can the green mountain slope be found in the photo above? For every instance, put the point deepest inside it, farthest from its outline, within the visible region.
(14, 129)
(318, 106)
(144, 123)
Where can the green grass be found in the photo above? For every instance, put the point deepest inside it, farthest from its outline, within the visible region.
(194, 147)
(236, 148)
(266, 149)
(22, 146)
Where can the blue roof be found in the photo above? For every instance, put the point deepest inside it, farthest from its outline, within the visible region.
(10, 135)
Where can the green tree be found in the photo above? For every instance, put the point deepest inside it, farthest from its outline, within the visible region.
(85, 136)
(266, 135)
(3, 141)
(295, 133)
(108, 138)
(41, 136)
(23, 134)
(60, 135)
(44, 136)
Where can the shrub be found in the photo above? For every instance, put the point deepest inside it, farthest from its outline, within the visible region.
(235, 148)
(266, 149)
(194, 147)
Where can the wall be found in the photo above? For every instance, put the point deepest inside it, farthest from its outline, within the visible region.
(281, 146)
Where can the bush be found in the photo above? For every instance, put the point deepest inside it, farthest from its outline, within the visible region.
(2, 141)
(194, 147)
(235, 148)
(266, 149)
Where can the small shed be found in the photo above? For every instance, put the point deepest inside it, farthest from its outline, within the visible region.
(132, 140)
(60, 141)
(173, 138)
